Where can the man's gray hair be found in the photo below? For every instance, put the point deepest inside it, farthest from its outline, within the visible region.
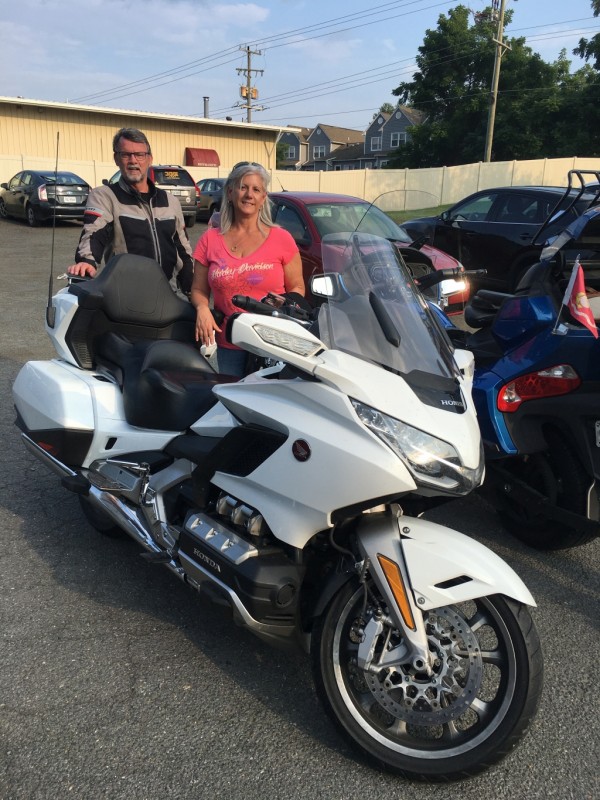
(132, 135)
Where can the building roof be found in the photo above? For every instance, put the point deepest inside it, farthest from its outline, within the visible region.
(302, 132)
(414, 117)
(350, 153)
(341, 135)
(26, 101)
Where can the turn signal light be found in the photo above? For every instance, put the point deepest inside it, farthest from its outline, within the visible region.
(550, 382)
(396, 583)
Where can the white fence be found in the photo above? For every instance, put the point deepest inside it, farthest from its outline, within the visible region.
(405, 188)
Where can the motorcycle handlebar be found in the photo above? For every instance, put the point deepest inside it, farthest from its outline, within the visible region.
(252, 305)
(287, 311)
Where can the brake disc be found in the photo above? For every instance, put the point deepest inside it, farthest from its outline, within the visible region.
(422, 699)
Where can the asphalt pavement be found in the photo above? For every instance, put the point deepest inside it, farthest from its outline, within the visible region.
(117, 681)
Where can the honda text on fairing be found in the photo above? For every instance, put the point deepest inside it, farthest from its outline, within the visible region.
(293, 494)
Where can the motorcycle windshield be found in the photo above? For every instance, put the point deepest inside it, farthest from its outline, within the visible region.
(581, 234)
(376, 313)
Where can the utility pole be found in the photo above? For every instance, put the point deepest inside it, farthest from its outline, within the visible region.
(249, 92)
(500, 49)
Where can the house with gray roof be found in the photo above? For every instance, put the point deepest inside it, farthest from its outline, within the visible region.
(296, 148)
(326, 140)
(386, 133)
(328, 147)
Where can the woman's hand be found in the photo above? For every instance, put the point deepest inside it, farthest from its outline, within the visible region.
(206, 327)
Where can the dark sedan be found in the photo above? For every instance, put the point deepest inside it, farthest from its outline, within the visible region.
(309, 216)
(40, 195)
(500, 230)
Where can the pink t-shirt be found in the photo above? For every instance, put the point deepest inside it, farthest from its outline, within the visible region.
(255, 275)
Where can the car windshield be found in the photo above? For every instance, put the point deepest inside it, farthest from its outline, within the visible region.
(353, 216)
(172, 176)
(375, 312)
(63, 179)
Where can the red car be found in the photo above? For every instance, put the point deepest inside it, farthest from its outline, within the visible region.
(309, 216)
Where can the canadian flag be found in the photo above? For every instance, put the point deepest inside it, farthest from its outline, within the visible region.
(576, 300)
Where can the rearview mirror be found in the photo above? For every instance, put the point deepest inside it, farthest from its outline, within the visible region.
(322, 286)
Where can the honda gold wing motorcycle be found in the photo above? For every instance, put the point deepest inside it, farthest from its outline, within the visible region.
(292, 494)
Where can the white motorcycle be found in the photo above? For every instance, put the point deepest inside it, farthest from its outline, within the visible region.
(294, 494)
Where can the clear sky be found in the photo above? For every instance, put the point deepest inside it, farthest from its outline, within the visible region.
(334, 61)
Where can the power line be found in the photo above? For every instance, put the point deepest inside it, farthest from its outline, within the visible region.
(343, 83)
(280, 38)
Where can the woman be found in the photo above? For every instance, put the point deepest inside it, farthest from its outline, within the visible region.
(247, 255)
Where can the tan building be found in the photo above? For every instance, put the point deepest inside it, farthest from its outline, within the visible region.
(29, 130)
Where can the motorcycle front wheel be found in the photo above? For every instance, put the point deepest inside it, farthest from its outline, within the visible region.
(468, 714)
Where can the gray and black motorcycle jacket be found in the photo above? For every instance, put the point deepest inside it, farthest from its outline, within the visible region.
(118, 219)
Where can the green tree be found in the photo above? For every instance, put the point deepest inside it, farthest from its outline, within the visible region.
(386, 108)
(590, 48)
(281, 149)
(452, 86)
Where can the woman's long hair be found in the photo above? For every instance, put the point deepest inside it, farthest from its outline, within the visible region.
(237, 174)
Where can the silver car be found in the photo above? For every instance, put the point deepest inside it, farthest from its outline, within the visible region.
(210, 194)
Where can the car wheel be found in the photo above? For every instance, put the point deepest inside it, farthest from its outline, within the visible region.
(3, 212)
(32, 219)
(190, 221)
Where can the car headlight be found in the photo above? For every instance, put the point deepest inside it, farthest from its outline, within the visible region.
(431, 461)
(452, 286)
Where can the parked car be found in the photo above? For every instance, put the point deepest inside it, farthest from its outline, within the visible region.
(39, 195)
(309, 216)
(209, 196)
(178, 182)
(502, 230)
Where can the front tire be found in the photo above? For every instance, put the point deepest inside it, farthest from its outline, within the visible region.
(470, 713)
(3, 211)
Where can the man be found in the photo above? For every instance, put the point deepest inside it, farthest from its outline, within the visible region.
(134, 216)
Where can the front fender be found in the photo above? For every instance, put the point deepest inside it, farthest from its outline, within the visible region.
(444, 566)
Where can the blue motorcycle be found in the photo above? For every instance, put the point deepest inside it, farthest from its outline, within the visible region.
(537, 392)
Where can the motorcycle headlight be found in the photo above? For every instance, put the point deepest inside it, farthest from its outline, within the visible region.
(431, 461)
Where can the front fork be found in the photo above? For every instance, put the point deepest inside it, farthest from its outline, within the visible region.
(385, 562)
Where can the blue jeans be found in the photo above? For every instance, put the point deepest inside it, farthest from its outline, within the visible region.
(231, 362)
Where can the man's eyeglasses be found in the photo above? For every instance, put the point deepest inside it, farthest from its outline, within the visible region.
(138, 156)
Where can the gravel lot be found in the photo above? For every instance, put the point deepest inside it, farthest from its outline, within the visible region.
(116, 681)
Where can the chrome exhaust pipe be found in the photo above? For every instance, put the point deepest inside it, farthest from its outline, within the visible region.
(128, 520)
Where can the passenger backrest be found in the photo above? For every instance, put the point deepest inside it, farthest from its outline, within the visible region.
(131, 296)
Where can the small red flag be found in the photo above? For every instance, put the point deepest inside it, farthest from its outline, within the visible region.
(576, 300)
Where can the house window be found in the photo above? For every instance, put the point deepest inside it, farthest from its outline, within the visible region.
(397, 139)
(375, 143)
(319, 151)
(291, 151)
